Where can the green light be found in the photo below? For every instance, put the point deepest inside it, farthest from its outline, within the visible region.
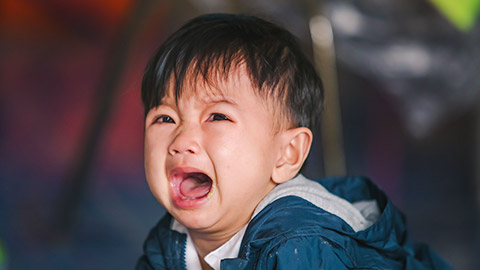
(462, 13)
(3, 257)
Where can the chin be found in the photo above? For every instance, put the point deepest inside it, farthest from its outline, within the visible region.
(195, 221)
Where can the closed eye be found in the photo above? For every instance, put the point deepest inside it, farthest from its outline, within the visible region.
(164, 119)
(218, 117)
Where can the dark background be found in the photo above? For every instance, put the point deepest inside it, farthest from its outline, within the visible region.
(73, 193)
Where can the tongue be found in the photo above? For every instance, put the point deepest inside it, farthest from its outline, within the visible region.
(195, 187)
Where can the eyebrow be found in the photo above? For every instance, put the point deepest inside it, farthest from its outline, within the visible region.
(218, 99)
(209, 100)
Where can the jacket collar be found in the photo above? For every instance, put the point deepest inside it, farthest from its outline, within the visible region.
(164, 247)
(388, 234)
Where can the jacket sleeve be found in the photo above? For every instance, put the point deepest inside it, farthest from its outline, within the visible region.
(305, 253)
(143, 264)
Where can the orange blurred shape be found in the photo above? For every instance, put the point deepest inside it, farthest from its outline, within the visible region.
(50, 16)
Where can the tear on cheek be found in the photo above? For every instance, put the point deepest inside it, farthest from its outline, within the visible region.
(195, 186)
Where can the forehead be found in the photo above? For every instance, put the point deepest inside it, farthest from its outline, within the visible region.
(232, 84)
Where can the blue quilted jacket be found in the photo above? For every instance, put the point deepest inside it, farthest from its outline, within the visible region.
(292, 233)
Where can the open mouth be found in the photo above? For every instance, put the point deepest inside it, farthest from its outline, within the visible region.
(191, 185)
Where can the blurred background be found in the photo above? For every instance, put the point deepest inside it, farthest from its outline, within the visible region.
(403, 94)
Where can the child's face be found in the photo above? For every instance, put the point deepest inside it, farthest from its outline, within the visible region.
(209, 158)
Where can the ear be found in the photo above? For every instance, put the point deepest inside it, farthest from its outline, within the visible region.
(295, 146)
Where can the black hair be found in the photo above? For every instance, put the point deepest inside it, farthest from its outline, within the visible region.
(209, 46)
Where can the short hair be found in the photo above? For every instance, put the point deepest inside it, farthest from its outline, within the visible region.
(210, 46)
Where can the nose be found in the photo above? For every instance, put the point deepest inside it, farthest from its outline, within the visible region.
(186, 142)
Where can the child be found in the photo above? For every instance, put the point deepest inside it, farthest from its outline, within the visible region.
(230, 106)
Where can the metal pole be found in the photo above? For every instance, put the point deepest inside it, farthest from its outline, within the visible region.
(332, 136)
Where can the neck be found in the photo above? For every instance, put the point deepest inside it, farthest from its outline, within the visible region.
(205, 265)
(206, 242)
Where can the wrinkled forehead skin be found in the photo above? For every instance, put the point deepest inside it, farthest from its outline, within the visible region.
(222, 83)
(214, 82)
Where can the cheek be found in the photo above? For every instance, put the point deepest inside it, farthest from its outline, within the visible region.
(156, 145)
(229, 145)
(154, 156)
(242, 152)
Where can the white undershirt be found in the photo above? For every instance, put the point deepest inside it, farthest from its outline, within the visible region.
(359, 215)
